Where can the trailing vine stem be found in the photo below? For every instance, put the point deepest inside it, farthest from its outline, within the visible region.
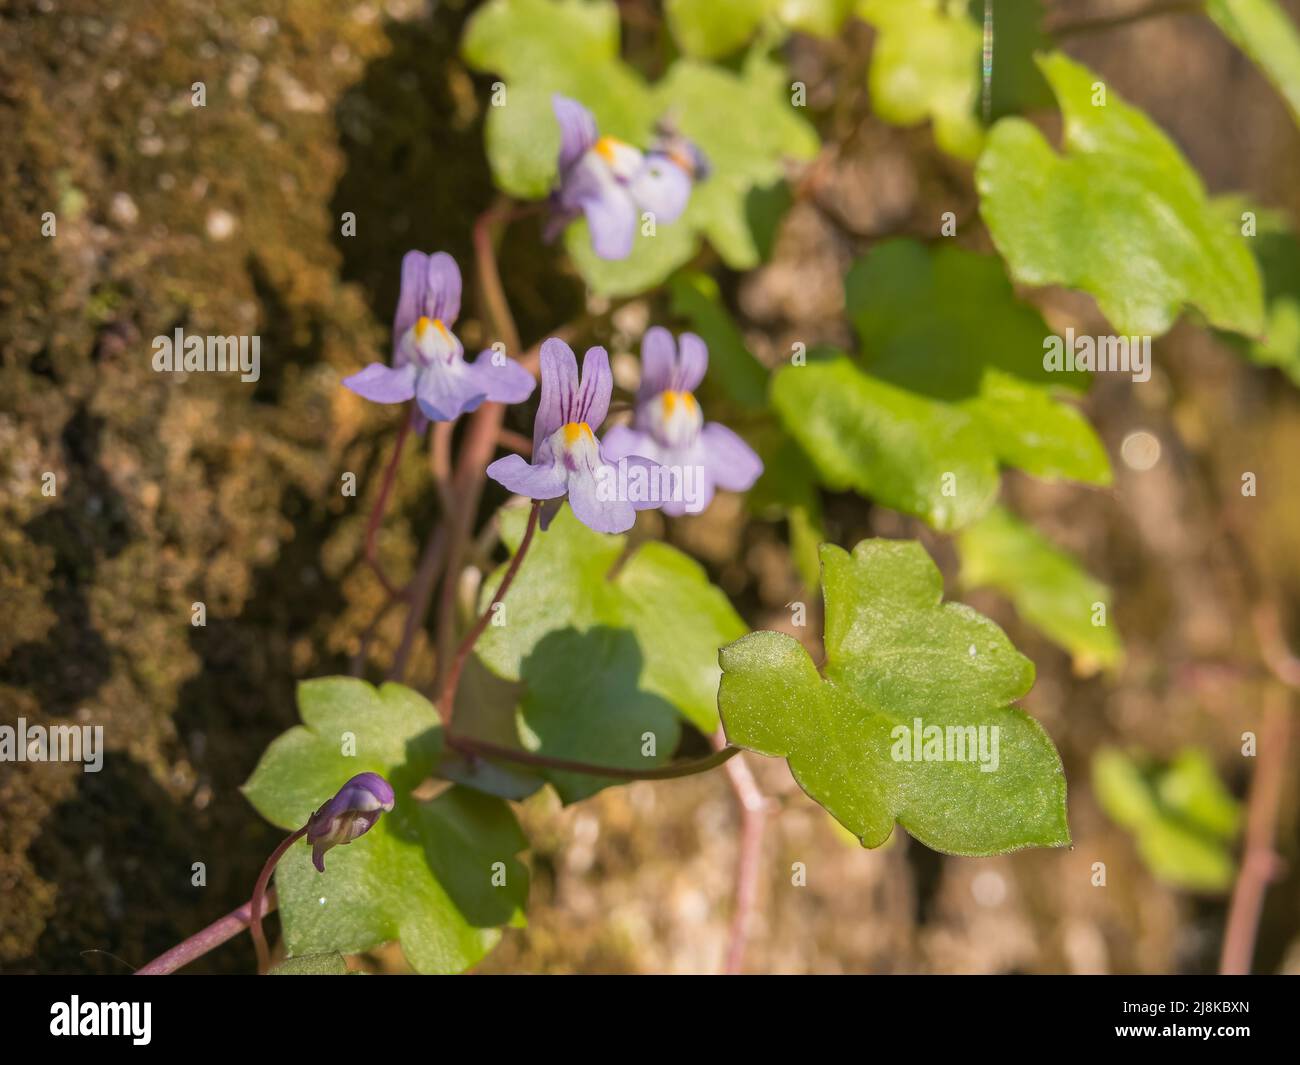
(218, 932)
(381, 504)
(481, 748)
(259, 893)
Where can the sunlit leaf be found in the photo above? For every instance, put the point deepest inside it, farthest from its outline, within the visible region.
(1048, 587)
(1120, 215)
(890, 727)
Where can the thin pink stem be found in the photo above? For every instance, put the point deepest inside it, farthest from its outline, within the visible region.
(259, 894)
(753, 820)
(217, 933)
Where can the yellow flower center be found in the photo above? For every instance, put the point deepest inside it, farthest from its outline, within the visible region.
(423, 324)
(575, 431)
(671, 400)
(607, 148)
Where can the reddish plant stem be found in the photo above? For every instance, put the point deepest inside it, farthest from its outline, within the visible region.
(381, 504)
(218, 932)
(508, 438)
(255, 904)
(451, 680)
(483, 749)
(753, 820)
(1260, 863)
(432, 560)
(480, 438)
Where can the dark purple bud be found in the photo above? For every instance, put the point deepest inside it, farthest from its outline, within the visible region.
(351, 813)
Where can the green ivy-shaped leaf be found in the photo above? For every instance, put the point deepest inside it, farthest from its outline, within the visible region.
(926, 66)
(1121, 215)
(1182, 817)
(568, 585)
(951, 386)
(910, 453)
(424, 875)
(1048, 587)
(1261, 30)
(896, 658)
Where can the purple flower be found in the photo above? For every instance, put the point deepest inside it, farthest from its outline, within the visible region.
(567, 456)
(611, 182)
(351, 813)
(428, 361)
(669, 427)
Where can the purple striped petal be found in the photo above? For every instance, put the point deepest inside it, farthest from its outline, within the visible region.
(591, 404)
(577, 129)
(383, 384)
(431, 288)
(559, 382)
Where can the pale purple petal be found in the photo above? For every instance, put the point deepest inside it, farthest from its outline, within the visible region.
(692, 361)
(732, 463)
(442, 297)
(559, 383)
(544, 481)
(383, 384)
(446, 391)
(430, 289)
(577, 129)
(603, 515)
(505, 383)
(611, 220)
(657, 479)
(591, 404)
(622, 441)
(410, 301)
(661, 187)
(658, 363)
